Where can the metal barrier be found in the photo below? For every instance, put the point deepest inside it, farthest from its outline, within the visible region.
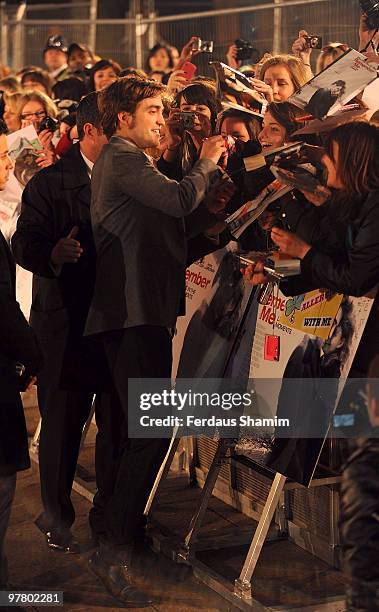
(271, 26)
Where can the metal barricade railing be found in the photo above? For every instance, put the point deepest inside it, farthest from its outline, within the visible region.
(270, 26)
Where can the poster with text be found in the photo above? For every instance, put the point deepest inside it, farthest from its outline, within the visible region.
(316, 337)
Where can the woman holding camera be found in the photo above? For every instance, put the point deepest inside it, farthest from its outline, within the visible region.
(35, 109)
(191, 121)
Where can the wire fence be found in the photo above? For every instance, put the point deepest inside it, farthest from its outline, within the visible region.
(269, 26)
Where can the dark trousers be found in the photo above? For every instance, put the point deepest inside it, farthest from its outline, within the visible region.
(360, 526)
(136, 352)
(7, 491)
(64, 414)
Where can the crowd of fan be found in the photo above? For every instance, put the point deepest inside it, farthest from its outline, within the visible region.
(310, 227)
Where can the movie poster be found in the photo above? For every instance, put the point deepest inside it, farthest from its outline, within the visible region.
(317, 335)
(24, 150)
(216, 298)
(335, 86)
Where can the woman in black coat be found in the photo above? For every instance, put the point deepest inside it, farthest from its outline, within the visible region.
(338, 245)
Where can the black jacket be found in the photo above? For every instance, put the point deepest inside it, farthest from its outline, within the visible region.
(137, 218)
(17, 344)
(53, 202)
(344, 256)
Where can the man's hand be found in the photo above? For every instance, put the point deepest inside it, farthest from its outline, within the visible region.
(67, 250)
(289, 243)
(231, 57)
(219, 196)
(213, 148)
(255, 274)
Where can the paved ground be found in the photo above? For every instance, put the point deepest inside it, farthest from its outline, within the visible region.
(286, 578)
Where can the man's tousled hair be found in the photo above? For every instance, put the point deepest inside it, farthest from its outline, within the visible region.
(123, 96)
(87, 112)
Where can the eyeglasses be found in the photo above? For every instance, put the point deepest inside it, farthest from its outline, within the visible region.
(38, 115)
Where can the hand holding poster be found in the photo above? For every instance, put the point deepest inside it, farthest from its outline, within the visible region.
(24, 150)
(335, 86)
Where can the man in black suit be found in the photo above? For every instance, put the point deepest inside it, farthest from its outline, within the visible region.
(20, 360)
(54, 241)
(138, 224)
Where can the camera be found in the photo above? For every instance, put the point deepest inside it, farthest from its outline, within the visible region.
(204, 46)
(313, 42)
(187, 119)
(48, 123)
(244, 49)
(371, 9)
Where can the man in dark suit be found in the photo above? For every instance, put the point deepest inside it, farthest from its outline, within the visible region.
(54, 241)
(20, 360)
(138, 224)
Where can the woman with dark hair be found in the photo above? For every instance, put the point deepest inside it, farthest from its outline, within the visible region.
(37, 80)
(103, 73)
(338, 242)
(70, 89)
(159, 63)
(178, 159)
(280, 121)
(200, 99)
(240, 125)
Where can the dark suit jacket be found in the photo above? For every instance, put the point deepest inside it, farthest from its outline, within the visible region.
(53, 202)
(17, 344)
(137, 219)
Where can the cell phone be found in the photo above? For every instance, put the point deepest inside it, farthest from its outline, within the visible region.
(189, 70)
(313, 42)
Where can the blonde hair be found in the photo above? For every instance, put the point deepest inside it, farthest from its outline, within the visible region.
(10, 84)
(331, 50)
(43, 99)
(14, 101)
(296, 68)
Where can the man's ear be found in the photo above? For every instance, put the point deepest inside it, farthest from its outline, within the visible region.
(124, 118)
(88, 130)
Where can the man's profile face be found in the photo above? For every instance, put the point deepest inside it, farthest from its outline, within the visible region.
(54, 58)
(6, 163)
(145, 125)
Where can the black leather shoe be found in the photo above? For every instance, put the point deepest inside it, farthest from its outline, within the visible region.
(117, 581)
(62, 540)
(58, 538)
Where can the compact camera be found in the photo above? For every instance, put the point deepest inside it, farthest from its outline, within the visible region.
(48, 123)
(313, 42)
(187, 119)
(371, 9)
(204, 46)
(244, 49)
